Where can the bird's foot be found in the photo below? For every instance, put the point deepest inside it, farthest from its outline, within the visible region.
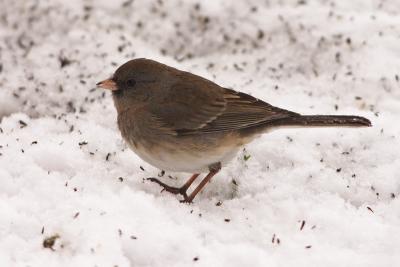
(186, 199)
(173, 190)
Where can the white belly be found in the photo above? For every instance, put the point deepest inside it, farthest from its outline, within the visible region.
(182, 161)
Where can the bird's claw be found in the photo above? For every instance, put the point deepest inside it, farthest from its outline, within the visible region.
(172, 190)
(186, 200)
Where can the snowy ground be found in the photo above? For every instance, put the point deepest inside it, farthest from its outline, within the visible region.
(319, 197)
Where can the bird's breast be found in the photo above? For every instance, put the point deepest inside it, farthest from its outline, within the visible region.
(178, 153)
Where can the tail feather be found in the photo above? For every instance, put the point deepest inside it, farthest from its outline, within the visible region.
(323, 121)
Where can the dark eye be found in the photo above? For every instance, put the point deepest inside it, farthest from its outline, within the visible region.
(131, 82)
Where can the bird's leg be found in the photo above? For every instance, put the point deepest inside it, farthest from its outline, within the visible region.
(176, 190)
(214, 169)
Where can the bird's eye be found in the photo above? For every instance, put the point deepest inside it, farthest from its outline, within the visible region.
(131, 82)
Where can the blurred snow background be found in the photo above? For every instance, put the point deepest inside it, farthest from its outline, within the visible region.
(71, 194)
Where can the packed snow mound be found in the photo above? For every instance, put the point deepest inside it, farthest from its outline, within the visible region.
(73, 194)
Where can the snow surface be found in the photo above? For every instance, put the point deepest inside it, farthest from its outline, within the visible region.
(303, 197)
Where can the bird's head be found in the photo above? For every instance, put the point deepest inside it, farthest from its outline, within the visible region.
(138, 80)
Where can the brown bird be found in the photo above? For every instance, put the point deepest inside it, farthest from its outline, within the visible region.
(179, 121)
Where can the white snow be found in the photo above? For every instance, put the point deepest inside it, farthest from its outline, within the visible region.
(64, 169)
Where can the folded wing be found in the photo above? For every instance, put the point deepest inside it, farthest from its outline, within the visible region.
(198, 106)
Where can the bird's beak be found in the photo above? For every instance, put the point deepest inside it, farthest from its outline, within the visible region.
(109, 84)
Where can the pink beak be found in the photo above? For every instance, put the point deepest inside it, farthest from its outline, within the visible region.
(108, 84)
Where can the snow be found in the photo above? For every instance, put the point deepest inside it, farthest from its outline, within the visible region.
(330, 196)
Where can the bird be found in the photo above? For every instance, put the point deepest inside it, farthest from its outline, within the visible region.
(181, 122)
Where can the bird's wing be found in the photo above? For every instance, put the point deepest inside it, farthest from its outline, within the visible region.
(201, 106)
(188, 104)
(244, 111)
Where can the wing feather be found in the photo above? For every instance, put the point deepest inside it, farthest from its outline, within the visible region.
(197, 106)
(241, 111)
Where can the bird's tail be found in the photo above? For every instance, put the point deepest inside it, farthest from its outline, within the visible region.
(322, 121)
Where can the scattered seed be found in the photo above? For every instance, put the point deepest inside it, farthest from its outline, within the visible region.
(337, 57)
(260, 34)
(64, 61)
(49, 242)
(303, 222)
(22, 124)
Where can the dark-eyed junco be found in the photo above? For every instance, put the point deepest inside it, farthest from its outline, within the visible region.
(179, 121)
